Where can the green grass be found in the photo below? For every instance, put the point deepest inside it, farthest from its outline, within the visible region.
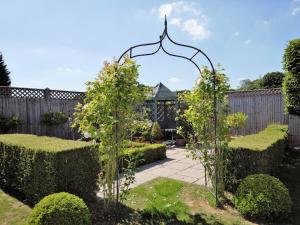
(165, 199)
(42, 143)
(12, 212)
(262, 140)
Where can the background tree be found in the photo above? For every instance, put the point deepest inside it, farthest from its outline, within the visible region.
(4, 73)
(248, 84)
(291, 84)
(272, 80)
(269, 80)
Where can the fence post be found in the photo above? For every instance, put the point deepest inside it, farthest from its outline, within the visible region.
(47, 93)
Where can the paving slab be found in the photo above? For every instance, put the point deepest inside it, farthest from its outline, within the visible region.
(176, 166)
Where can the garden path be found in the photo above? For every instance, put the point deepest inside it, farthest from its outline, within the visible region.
(176, 166)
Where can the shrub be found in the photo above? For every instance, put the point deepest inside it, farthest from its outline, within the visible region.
(156, 132)
(54, 118)
(38, 166)
(291, 88)
(8, 123)
(236, 120)
(146, 135)
(60, 209)
(257, 153)
(149, 152)
(263, 196)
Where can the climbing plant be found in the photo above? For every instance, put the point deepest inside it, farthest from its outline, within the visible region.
(203, 143)
(107, 114)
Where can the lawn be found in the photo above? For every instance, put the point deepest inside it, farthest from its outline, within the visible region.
(262, 140)
(12, 211)
(170, 200)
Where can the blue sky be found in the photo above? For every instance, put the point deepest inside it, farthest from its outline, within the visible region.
(62, 44)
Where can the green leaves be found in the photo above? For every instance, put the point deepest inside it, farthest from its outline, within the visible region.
(107, 115)
(291, 88)
(199, 114)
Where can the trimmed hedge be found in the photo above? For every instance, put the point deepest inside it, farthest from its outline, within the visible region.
(263, 196)
(291, 88)
(38, 166)
(257, 153)
(149, 152)
(61, 209)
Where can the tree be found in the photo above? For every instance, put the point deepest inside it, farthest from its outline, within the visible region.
(4, 73)
(272, 80)
(204, 144)
(107, 115)
(248, 84)
(291, 83)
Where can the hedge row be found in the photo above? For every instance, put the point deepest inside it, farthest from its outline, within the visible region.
(257, 153)
(38, 166)
(148, 152)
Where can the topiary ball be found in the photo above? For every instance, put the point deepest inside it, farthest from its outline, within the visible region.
(263, 196)
(60, 209)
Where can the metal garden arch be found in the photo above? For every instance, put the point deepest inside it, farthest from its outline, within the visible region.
(159, 43)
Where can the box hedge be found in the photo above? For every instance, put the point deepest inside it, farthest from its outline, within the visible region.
(257, 153)
(38, 166)
(148, 152)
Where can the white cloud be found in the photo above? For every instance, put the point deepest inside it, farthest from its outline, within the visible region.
(248, 42)
(187, 16)
(67, 70)
(175, 79)
(295, 11)
(236, 33)
(195, 29)
(176, 21)
(178, 7)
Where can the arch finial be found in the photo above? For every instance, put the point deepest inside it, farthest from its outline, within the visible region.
(166, 24)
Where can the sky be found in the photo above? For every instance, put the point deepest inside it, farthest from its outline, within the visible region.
(63, 44)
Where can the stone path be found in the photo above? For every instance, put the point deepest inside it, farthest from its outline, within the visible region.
(175, 166)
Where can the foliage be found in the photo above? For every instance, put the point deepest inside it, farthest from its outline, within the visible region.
(147, 152)
(60, 208)
(8, 123)
(4, 73)
(257, 153)
(156, 132)
(269, 80)
(107, 114)
(272, 80)
(263, 196)
(200, 115)
(236, 121)
(291, 87)
(247, 84)
(54, 118)
(37, 166)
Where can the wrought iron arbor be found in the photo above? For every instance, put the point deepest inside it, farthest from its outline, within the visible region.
(160, 46)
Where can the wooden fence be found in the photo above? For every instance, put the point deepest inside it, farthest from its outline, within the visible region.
(264, 107)
(30, 104)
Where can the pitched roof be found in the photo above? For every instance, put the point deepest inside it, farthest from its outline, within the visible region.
(161, 92)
